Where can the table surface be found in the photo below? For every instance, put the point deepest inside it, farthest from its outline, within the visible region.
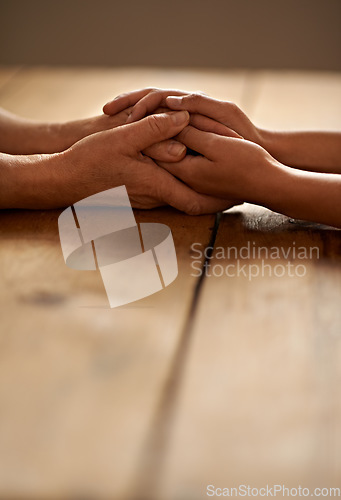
(220, 380)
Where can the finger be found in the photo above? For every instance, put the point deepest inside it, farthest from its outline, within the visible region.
(145, 106)
(198, 103)
(189, 169)
(105, 122)
(125, 100)
(152, 129)
(169, 150)
(183, 198)
(149, 103)
(208, 125)
(205, 143)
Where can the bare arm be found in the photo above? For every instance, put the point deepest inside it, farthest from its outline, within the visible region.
(240, 169)
(104, 160)
(22, 136)
(317, 151)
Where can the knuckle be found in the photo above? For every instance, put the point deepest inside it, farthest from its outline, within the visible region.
(233, 108)
(155, 124)
(194, 98)
(150, 91)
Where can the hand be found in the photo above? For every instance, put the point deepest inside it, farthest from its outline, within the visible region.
(148, 186)
(146, 101)
(228, 168)
(240, 169)
(74, 131)
(101, 161)
(27, 137)
(314, 151)
(140, 103)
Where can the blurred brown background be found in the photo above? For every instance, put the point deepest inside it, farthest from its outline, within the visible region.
(297, 34)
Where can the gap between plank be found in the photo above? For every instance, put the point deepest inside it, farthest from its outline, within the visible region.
(150, 467)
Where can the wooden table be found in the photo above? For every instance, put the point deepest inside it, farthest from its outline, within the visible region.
(220, 380)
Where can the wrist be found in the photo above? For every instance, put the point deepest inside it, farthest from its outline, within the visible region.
(278, 187)
(33, 181)
(53, 137)
(268, 182)
(270, 141)
(68, 133)
(58, 137)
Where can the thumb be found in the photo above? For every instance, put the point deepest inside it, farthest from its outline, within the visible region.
(154, 128)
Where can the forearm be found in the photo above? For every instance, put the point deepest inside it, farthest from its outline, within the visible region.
(33, 181)
(19, 136)
(313, 151)
(22, 136)
(302, 195)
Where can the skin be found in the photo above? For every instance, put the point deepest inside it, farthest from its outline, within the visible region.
(314, 151)
(254, 166)
(22, 136)
(241, 169)
(100, 158)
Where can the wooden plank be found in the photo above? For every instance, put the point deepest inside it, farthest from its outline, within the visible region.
(80, 384)
(260, 399)
(259, 402)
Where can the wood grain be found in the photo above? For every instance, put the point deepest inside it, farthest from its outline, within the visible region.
(82, 387)
(80, 382)
(259, 401)
(223, 380)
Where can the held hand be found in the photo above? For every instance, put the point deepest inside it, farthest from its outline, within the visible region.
(167, 150)
(140, 103)
(71, 132)
(114, 157)
(240, 169)
(229, 168)
(146, 101)
(224, 112)
(314, 151)
(28, 137)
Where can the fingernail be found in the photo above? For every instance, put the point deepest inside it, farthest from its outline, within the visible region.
(129, 119)
(180, 117)
(176, 148)
(174, 100)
